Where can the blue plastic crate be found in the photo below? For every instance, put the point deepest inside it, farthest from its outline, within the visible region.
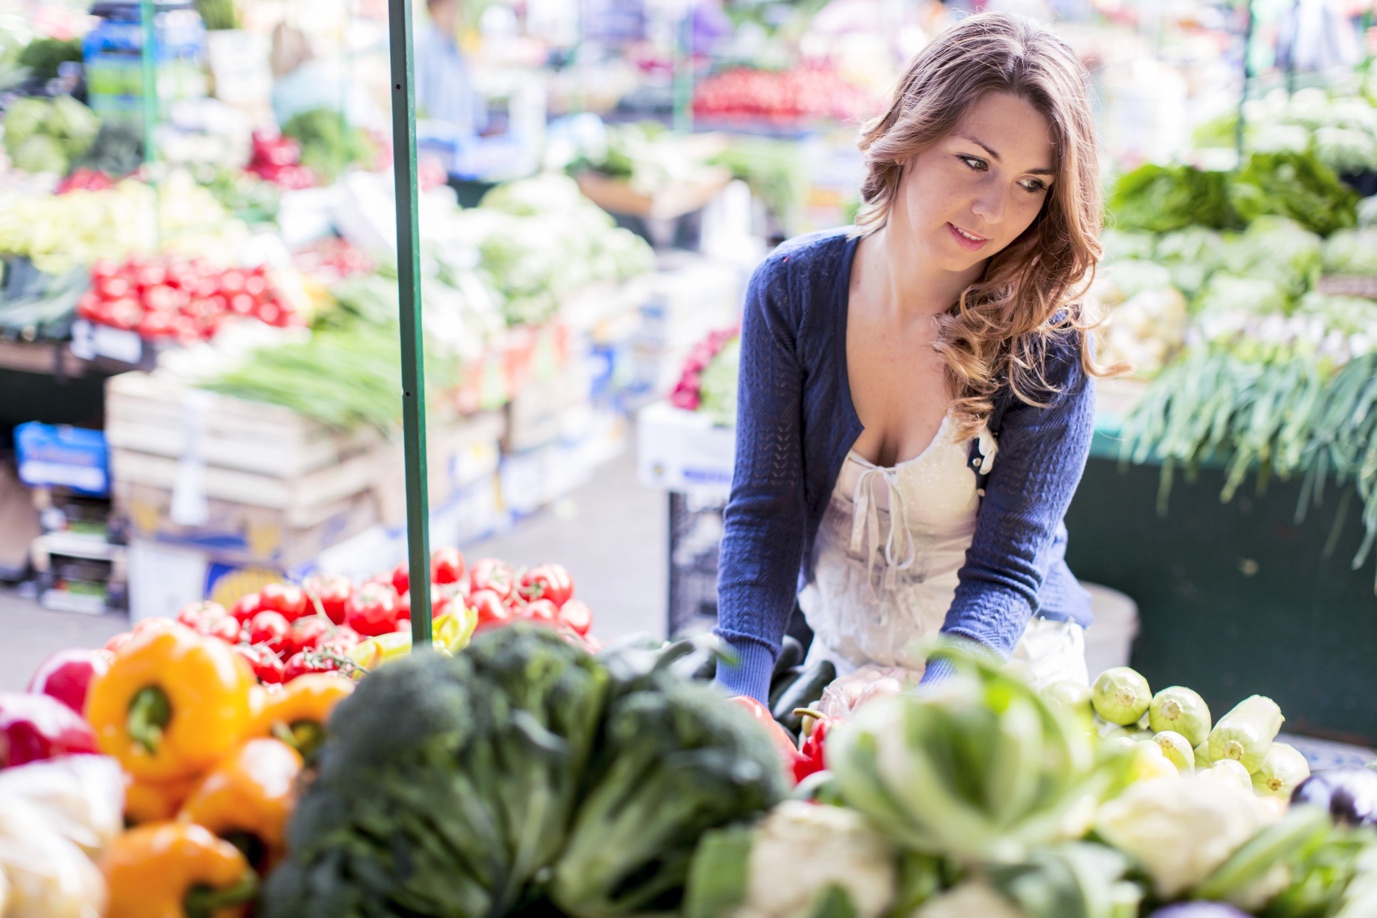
(68, 457)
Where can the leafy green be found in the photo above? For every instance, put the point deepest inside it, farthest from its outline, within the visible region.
(1159, 199)
(329, 145)
(1352, 252)
(1295, 185)
(1279, 250)
(43, 56)
(45, 136)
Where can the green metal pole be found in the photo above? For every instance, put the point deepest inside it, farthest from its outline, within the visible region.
(148, 60)
(413, 349)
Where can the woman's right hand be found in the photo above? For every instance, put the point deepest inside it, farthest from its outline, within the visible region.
(849, 692)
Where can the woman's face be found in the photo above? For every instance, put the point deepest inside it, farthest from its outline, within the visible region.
(974, 192)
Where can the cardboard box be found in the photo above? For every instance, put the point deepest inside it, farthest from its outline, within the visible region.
(684, 452)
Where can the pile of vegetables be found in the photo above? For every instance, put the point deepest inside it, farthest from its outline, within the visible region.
(523, 776)
(276, 158)
(781, 96)
(179, 298)
(1339, 128)
(540, 240)
(328, 143)
(708, 381)
(647, 155)
(984, 797)
(59, 232)
(44, 135)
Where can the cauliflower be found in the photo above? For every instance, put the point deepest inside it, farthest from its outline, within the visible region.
(802, 849)
(972, 898)
(1181, 831)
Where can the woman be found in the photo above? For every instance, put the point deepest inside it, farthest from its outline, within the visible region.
(915, 404)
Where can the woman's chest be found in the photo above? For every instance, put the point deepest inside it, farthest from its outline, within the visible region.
(898, 386)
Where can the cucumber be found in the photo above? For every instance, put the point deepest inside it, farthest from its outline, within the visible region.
(806, 689)
(1246, 733)
(790, 656)
(782, 684)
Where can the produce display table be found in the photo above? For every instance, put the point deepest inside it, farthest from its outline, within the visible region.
(1234, 598)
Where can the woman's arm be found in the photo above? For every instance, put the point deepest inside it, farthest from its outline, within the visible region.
(762, 543)
(1042, 454)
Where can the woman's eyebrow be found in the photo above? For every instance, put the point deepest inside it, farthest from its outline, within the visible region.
(996, 157)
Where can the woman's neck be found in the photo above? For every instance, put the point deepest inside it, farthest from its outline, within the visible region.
(909, 284)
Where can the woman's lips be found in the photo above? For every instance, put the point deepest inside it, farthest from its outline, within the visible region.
(966, 242)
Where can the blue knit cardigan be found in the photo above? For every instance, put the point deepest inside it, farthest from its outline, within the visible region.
(795, 424)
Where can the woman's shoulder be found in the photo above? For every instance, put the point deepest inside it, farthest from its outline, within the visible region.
(808, 259)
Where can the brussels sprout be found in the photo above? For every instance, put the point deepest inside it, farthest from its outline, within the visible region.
(1121, 695)
(1181, 710)
(1177, 750)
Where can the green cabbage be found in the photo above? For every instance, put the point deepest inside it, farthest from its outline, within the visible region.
(1351, 252)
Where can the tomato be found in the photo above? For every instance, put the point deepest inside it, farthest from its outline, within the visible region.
(491, 611)
(151, 274)
(156, 324)
(401, 577)
(270, 628)
(224, 628)
(332, 591)
(286, 599)
(124, 312)
(241, 304)
(245, 608)
(270, 312)
(313, 661)
(267, 666)
(576, 615)
(232, 282)
(193, 613)
(548, 581)
(113, 287)
(341, 639)
(308, 632)
(117, 641)
(495, 575)
(446, 565)
(541, 611)
(372, 610)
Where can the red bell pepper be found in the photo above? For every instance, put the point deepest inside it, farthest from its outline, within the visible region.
(814, 753)
(38, 727)
(446, 565)
(67, 674)
(784, 744)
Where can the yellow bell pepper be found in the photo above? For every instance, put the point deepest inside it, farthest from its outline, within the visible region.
(154, 801)
(297, 713)
(172, 704)
(247, 798)
(176, 870)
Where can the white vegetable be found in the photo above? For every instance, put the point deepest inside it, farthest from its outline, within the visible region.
(968, 900)
(49, 876)
(802, 849)
(1181, 831)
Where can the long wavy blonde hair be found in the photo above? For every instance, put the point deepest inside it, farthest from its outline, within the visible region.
(1033, 291)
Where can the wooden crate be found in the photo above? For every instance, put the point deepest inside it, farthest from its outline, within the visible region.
(158, 416)
(618, 197)
(1344, 285)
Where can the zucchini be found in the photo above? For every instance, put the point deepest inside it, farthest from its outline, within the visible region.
(1246, 733)
(806, 689)
(782, 684)
(790, 656)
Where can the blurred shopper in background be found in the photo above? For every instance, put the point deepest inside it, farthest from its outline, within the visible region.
(303, 81)
(444, 86)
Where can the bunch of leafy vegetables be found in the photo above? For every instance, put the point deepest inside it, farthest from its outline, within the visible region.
(522, 777)
(329, 144)
(43, 56)
(1160, 199)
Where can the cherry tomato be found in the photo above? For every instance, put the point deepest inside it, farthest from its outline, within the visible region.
(401, 577)
(245, 608)
(372, 610)
(267, 665)
(446, 565)
(541, 611)
(548, 581)
(575, 614)
(193, 613)
(270, 628)
(491, 611)
(332, 591)
(313, 661)
(492, 574)
(308, 632)
(341, 639)
(286, 599)
(224, 628)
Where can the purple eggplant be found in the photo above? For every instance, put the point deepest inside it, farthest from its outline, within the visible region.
(1199, 910)
(1349, 794)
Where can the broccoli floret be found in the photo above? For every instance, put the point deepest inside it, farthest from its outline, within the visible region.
(675, 760)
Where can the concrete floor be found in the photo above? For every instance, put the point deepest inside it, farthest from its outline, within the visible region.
(610, 533)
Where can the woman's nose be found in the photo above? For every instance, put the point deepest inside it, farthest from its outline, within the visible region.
(989, 205)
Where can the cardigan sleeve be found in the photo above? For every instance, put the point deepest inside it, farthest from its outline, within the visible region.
(764, 522)
(1042, 454)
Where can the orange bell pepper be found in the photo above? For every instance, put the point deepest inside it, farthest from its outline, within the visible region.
(172, 703)
(247, 798)
(154, 801)
(176, 870)
(297, 714)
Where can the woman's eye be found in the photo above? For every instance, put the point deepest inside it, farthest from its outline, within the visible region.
(975, 163)
(1034, 186)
